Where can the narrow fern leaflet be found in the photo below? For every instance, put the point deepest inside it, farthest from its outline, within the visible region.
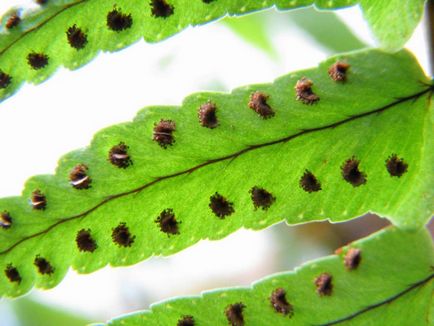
(322, 293)
(219, 162)
(70, 33)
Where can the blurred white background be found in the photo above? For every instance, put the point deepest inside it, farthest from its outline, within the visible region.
(41, 123)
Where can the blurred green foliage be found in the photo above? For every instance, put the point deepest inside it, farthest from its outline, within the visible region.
(32, 313)
(324, 28)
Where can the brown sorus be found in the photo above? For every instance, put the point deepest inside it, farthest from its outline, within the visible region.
(5, 220)
(351, 172)
(12, 274)
(234, 314)
(220, 206)
(304, 92)
(352, 258)
(44, 267)
(161, 8)
(121, 236)
(13, 21)
(76, 37)
(207, 115)
(79, 178)
(309, 183)
(261, 198)
(37, 60)
(396, 166)
(280, 303)
(38, 200)
(118, 156)
(324, 284)
(118, 21)
(167, 222)
(163, 133)
(186, 321)
(338, 71)
(5, 80)
(85, 242)
(258, 103)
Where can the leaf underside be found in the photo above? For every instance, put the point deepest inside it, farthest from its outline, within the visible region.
(391, 285)
(156, 198)
(70, 33)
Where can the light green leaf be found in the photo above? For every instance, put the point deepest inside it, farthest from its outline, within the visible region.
(253, 30)
(327, 29)
(392, 21)
(391, 285)
(382, 109)
(32, 313)
(39, 45)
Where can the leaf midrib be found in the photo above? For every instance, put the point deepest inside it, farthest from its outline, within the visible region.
(220, 159)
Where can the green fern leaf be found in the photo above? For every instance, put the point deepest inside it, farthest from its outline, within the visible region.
(392, 21)
(70, 33)
(385, 279)
(252, 158)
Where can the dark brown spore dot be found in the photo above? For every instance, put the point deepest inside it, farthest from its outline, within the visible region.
(186, 321)
(261, 198)
(163, 133)
(338, 71)
(118, 156)
(44, 267)
(41, 2)
(207, 115)
(121, 236)
(5, 79)
(279, 302)
(76, 37)
(221, 206)
(79, 178)
(396, 166)
(207, 1)
(12, 274)
(38, 200)
(13, 21)
(351, 172)
(37, 60)
(85, 242)
(161, 8)
(309, 182)
(168, 223)
(258, 103)
(118, 21)
(5, 220)
(352, 258)
(234, 314)
(324, 284)
(304, 93)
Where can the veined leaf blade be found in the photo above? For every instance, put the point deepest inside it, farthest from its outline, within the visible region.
(372, 293)
(44, 33)
(382, 109)
(392, 22)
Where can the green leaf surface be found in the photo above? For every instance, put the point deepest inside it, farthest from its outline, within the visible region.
(253, 30)
(327, 29)
(246, 172)
(39, 45)
(392, 21)
(30, 312)
(391, 285)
